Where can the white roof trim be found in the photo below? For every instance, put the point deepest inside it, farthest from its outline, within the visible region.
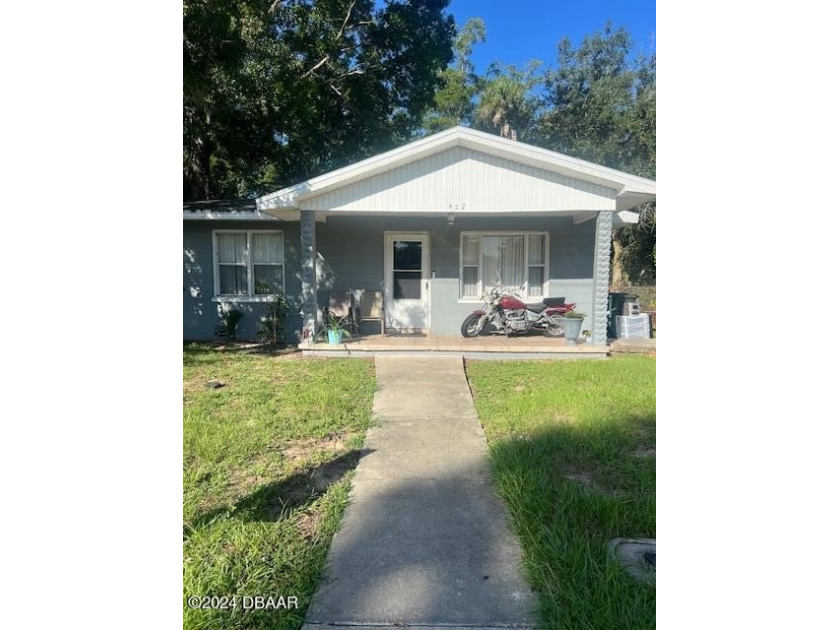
(630, 188)
(209, 215)
(620, 219)
(288, 214)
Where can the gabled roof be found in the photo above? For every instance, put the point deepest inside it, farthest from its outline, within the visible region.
(630, 189)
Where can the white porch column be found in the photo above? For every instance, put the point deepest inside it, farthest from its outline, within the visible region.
(308, 276)
(601, 277)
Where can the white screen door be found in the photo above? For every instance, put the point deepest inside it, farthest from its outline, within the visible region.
(407, 281)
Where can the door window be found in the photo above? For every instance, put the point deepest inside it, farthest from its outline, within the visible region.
(408, 269)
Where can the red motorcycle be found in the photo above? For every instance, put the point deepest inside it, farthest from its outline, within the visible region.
(509, 314)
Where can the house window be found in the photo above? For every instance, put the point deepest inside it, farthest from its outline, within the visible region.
(248, 263)
(513, 259)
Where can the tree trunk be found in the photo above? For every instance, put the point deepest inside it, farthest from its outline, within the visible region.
(618, 277)
(197, 175)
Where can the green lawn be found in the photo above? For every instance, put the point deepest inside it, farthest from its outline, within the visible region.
(267, 464)
(573, 448)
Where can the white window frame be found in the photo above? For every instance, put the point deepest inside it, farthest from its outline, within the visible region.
(481, 288)
(249, 267)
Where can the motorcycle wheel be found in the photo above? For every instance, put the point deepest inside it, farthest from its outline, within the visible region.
(470, 327)
(555, 327)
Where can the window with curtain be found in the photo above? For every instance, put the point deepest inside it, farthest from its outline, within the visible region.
(514, 260)
(249, 263)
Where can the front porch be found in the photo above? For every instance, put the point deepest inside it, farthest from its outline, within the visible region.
(426, 229)
(488, 347)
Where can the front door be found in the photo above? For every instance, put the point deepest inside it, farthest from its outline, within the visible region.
(407, 281)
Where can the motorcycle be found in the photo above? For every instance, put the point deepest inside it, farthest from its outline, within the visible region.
(509, 314)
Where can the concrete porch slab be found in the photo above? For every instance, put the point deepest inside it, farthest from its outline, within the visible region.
(486, 347)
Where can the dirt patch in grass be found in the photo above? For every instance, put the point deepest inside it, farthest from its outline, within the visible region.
(586, 479)
(308, 524)
(327, 474)
(297, 450)
(562, 417)
(268, 500)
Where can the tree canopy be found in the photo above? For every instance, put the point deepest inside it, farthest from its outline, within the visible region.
(276, 91)
(454, 101)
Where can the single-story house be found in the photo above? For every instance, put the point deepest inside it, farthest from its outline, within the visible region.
(431, 225)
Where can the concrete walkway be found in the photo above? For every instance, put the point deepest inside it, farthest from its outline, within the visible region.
(424, 541)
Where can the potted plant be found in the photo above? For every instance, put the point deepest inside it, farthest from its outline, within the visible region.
(336, 328)
(572, 323)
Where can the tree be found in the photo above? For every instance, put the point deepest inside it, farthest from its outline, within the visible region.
(228, 48)
(453, 103)
(276, 91)
(506, 102)
(601, 107)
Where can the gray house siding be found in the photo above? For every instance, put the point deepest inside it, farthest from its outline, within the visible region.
(201, 313)
(352, 256)
(353, 249)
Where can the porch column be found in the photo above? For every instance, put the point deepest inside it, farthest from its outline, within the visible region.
(308, 277)
(601, 277)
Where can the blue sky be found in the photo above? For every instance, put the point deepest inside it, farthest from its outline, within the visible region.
(522, 30)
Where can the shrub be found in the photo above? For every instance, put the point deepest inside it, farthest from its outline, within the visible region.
(272, 324)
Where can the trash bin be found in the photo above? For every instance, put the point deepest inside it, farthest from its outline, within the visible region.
(620, 304)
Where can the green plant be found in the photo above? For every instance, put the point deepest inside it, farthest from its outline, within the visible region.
(271, 324)
(230, 319)
(574, 315)
(336, 325)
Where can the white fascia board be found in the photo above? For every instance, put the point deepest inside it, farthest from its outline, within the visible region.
(209, 215)
(282, 214)
(630, 200)
(575, 168)
(620, 219)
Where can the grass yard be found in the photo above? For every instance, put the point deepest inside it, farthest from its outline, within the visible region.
(573, 449)
(267, 463)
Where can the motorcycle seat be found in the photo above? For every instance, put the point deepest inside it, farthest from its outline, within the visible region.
(555, 301)
(536, 308)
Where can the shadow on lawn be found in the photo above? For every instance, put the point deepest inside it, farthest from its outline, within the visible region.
(617, 455)
(571, 488)
(277, 500)
(197, 349)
